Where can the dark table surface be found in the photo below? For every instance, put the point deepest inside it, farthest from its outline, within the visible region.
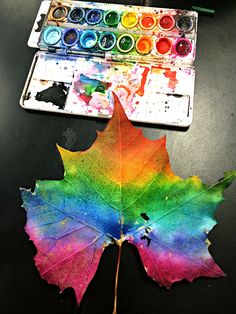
(28, 152)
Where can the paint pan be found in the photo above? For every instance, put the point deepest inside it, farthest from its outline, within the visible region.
(58, 13)
(129, 19)
(125, 43)
(182, 47)
(185, 23)
(166, 22)
(144, 45)
(93, 16)
(70, 37)
(88, 39)
(52, 35)
(147, 21)
(163, 45)
(107, 41)
(76, 15)
(111, 18)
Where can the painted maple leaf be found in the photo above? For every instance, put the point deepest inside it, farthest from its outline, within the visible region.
(122, 188)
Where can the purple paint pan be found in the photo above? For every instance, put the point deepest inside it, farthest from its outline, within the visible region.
(70, 37)
(93, 16)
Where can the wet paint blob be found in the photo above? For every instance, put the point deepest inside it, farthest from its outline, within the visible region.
(93, 16)
(88, 39)
(59, 13)
(166, 22)
(144, 45)
(163, 45)
(111, 18)
(52, 35)
(107, 41)
(129, 19)
(183, 47)
(125, 43)
(148, 21)
(70, 37)
(185, 23)
(76, 15)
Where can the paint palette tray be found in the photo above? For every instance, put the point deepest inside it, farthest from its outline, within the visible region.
(87, 50)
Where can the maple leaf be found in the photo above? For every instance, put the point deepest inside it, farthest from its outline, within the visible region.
(122, 188)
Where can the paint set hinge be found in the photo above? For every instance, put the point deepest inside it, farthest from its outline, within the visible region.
(63, 52)
(52, 50)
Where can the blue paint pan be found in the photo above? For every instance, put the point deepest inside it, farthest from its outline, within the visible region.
(76, 15)
(93, 16)
(52, 35)
(88, 39)
(107, 41)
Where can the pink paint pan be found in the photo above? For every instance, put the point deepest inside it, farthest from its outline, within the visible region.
(182, 47)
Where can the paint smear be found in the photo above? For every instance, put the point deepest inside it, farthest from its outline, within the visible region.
(168, 73)
(141, 89)
(171, 75)
(55, 94)
(93, 84)
(126, 89)
(86, 86)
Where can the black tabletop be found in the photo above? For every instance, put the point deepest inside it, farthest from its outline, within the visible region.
(28, 152)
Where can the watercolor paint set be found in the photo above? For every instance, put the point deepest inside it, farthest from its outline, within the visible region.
(87, 50)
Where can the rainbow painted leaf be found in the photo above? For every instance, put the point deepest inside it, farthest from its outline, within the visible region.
(122, 188)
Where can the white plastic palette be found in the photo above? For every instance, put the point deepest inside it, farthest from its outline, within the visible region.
(153, 87)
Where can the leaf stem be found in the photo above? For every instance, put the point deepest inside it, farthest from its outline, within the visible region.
(119, 243)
